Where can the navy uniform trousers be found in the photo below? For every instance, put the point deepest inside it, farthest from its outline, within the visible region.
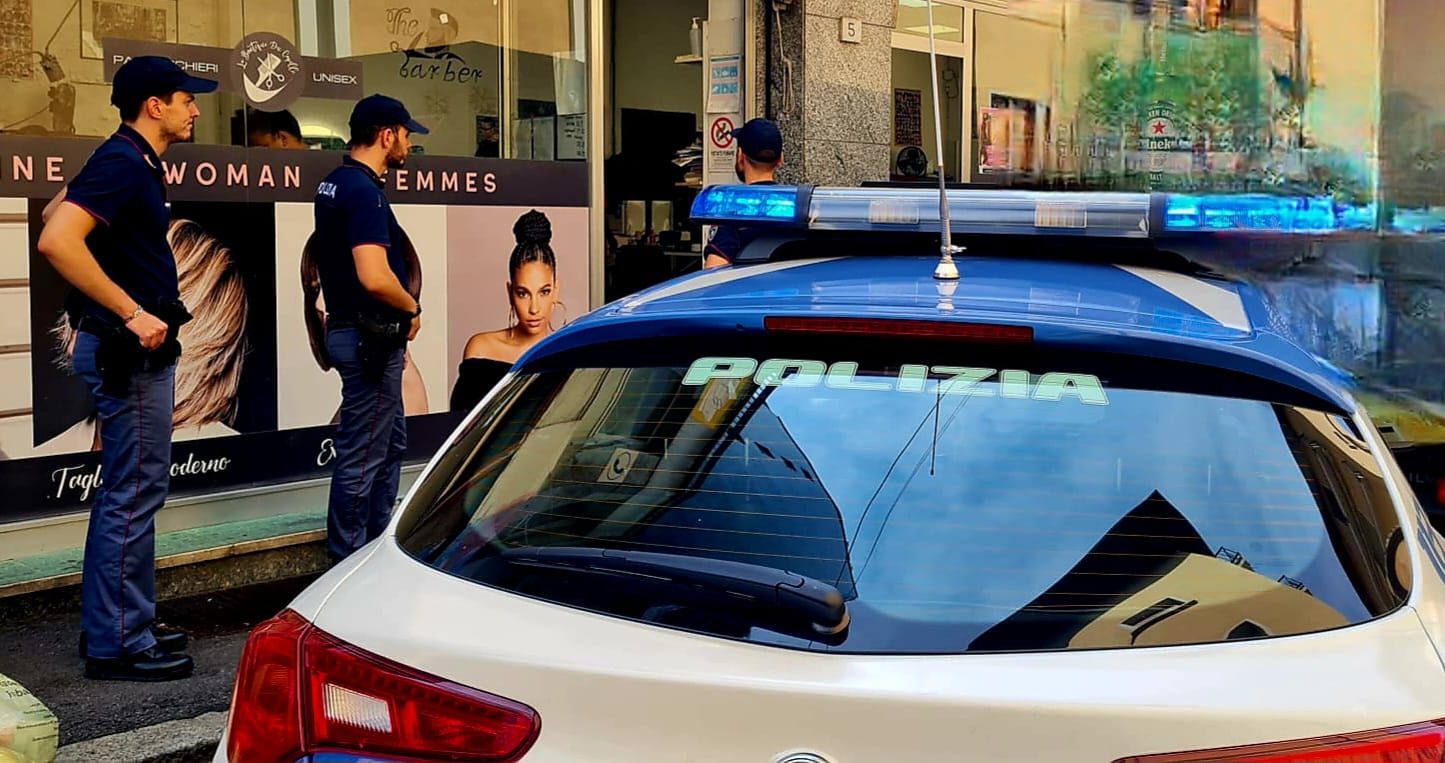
(118, 588)
(370, 444)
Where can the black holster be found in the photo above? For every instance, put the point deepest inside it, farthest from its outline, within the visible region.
(381, 336)
(120, 356)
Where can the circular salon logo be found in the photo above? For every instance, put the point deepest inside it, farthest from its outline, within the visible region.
(801, 757)
(268, 71)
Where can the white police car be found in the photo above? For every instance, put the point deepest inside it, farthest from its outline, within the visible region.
(820, 507)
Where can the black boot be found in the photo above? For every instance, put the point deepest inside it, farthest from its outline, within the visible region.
(168, 639)
(150, 665)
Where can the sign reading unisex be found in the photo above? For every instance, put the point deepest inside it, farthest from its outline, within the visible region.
(265, 69)
(256, 399)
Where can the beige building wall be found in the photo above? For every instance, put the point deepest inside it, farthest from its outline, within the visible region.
(1223, 597)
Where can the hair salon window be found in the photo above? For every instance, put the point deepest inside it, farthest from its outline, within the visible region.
(443, 63)
(53, 59)
(490, 78)
(545, 81)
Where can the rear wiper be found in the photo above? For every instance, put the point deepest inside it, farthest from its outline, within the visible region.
(772, 598)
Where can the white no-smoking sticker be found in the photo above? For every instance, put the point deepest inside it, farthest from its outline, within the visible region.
(722, 132)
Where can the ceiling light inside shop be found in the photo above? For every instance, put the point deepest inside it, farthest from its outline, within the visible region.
(938, 29)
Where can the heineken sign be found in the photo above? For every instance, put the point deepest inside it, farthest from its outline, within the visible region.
(1160, 129)
(1162, 142)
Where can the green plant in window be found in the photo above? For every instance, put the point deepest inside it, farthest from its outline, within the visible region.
(1218, 98)
(1114, 103)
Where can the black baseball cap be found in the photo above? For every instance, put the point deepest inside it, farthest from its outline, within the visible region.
(381, 111)
(760, 140)
(144, 77)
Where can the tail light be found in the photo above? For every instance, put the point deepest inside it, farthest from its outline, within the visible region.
(301, 691)
(265, 714)
(1416, 743)
(901, 328)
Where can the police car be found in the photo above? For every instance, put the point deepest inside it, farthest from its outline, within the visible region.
(1077, 504)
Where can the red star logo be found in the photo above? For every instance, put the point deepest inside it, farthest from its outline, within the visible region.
(1158, 128)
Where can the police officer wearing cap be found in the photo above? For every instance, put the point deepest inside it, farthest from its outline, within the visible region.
(370, 316)
(760, 153)
(108, 240)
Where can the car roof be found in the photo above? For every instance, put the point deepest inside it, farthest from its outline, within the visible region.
(1120, 308)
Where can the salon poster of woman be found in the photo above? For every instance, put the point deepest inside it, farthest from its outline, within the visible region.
(255, 396)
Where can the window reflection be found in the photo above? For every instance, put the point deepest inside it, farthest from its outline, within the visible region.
(995, 521)
(53, 60)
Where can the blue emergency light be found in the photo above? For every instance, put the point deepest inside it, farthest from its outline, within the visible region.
(987, 211)
(751, 204)
(1262, 213)
(1116, 215)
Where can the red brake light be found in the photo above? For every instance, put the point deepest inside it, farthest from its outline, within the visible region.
(334, 697)
(359, 701)
(1417, 743)
(1440, 492)
(265, 720)
(901, 328)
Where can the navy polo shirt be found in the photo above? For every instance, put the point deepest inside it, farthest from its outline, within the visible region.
(123, 187)
(728, 241)
(352, 210)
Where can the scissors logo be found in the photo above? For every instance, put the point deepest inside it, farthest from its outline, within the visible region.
(268, 74)
(269, 71)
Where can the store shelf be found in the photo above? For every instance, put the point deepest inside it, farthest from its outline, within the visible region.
(687, 60)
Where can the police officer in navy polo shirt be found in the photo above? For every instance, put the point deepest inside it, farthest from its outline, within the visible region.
(108, 239)
(370, 316)
(760, 153)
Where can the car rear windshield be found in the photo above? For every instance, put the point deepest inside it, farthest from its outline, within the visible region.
(879, 496)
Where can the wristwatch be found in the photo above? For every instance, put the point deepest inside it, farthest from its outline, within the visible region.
(139, 310)
(417, 314)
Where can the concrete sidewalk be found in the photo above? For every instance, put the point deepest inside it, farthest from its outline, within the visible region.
(124, 722)
(188, 741)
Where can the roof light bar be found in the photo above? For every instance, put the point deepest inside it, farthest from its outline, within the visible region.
(971, 211)
(751, 204)
(1056, 213)
(1115, 215)
(1262, 214)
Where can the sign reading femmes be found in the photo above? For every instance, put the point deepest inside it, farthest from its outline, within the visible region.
(268, 71)
(36, 167)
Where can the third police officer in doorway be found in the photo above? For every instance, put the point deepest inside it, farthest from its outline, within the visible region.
(760, 153)
(370, 318)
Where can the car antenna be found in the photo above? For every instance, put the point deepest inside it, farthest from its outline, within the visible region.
(946, 270)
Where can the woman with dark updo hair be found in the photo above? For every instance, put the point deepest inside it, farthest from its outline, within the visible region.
(532, 292)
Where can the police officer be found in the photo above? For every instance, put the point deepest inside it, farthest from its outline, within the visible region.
(370, 316)
(760, 153)
(108, 240)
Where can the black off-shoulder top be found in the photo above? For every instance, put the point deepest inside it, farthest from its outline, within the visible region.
(475, 378)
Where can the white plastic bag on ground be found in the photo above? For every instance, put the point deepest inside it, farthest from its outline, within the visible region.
(29, 732)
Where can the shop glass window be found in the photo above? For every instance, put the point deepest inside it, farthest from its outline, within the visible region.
(912, 18)
(53, 59)
(444, 64)
(489, 79)
(545, 69)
